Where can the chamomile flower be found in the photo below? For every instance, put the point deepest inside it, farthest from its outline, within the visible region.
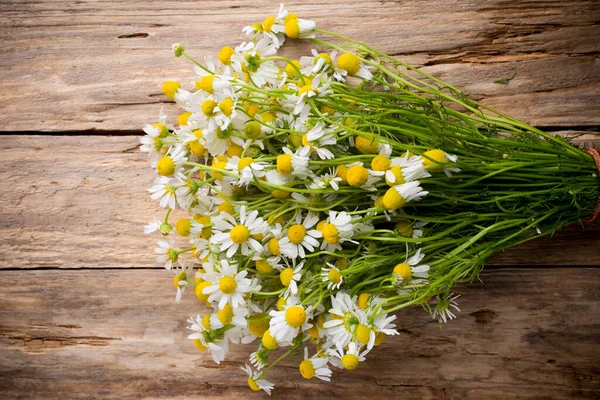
(411, 268)
(260, 358)
(296, 163)
(286, 324)
(433, 158)
(397, 196)
(182, 273)
(297, 27)
(228, 286)
(272, 27)
(327, 179)
(445, 308)
(342, 326)
(332, 276)
(317, 137)
(234, 235)
(354, 66)
(166, 253)
(300, 237)
(290, 276)
(255, 381)
(205, 339)
(405, 169)
(164, 188)
(347, 358)
(154, 226)
(248, 169)
(337, 229)
(229, 315)
(315, 367)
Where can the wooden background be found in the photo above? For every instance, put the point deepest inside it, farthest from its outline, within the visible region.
(85, 312)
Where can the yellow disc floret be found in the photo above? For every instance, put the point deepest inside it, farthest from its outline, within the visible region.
(342, 172)
(268, 23)
(199, 345)
(205, 83)
(183, 227)
(269, 341)
(253, 385)
(208, 107)
(366, 146)
(290, 70)
(263, 266)
(399, 177)
(284, 163)
(226, 106)
(295, 316)
(225, 314)
(239, 234)
(252, 130)
(349, 62)
(286, 276)
(350, 361)
(380, 163)
(392, 199)
(273, 246)
(405, 228)
(225, 55)
(357, 176)
(296, 233)
(434, 157)
(225, 207)
(165, 166)
(258, 328)
(234, 150)
(198, 291)
(334, 275)
(363, 300)
(245, 162)
(183, 118)
(363, 333)
(331, 234)
(169, 88)
(227, 285)
(403, 270)
(292, 27)
(306, 369)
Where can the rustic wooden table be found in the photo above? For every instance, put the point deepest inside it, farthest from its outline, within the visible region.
(85, 312)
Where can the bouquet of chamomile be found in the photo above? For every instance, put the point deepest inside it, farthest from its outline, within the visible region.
(308, 200)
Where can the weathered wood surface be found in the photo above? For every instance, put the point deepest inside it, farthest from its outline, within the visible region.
(81, 202)
(118, 334)
(72, 66)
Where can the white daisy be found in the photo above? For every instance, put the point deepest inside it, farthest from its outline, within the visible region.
(166, 253)
(349, 358)
(164, 188)
(327, 179)
(443, 309)
(332, 276)
(300, 236)
(228, 285)
(255, 382)
(315, 367)
(320, 136)
(405, 169)
(217, 345)
(289, 278)
(337, 229)
(342, 326)
(411, 268)
(286, 324)
(233, 235)
(397, 196)
(183, 272)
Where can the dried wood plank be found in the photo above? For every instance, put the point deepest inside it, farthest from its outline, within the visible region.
(81, 202)
(118, 334)
(74, 66)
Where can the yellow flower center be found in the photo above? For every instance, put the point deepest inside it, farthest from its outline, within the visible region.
(295, 316)
(379, 338)
(313, 331)
(227, 285)
(199, 345)
(252, 109)
(306, 369)
(326, 57)
(245, 162)
(350, 361)
(296, 233)
(273, 247)
(292, 27)
(268, 117)
(225, 55)
(363, 300)
(269, 341)
(286, 276)
(433, 157)
(225, 207)
(404, 271)
(331, 234)
(334, 275)
(398, 176)
(205, 83)
(296, 139)
(169, 88)
(239, 234)
(363, 333)
(327, 110)
(197, 148)
(268, 23)
(206, 322)
(183, 118)
(206, 230)
(226, 106)
(392, 200)
(178, 278)
(263, 266)
(366, 146)
(258, 328)
(380, 163)
(349, 62)
(280, 304)
(342, 264)
(165, 166)
(252, 130)
(208, 107)
(320, 225)
(290, 70)
(379, 202)
(306, 88)
(342, 172)
(284, 163)
(357, 176)
(198, 291)
(225, 314)
(252, 384)
(234, 150)
(183, 226)
(404, 228)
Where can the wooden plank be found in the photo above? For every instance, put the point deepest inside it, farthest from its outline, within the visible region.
(74, 66)
(82, 202)
(118, 334)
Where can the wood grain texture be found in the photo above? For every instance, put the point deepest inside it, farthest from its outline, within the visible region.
(118, 334)
(82, 202)
(98, 66)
